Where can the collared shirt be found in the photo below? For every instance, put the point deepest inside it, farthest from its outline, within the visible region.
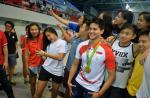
(102, 59)
(11, 39)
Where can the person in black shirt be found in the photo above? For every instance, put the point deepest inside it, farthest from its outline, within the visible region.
(12, 48)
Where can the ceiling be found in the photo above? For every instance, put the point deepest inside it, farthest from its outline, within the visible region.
(111, 5)
(94, 7)
(62, 4)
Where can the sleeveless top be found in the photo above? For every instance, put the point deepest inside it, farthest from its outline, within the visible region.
(124, 59)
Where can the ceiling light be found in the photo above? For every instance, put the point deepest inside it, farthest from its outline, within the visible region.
(127, 6)
(64, 3)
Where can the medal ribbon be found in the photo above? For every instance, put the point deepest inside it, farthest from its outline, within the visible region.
(89, 59)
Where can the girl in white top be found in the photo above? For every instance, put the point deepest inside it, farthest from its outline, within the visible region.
(53, 65)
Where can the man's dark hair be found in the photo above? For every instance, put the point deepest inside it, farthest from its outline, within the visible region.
(10, 22)
(144, 33)
(99, 22)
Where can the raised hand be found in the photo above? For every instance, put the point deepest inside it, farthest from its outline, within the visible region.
(59, 26)
(51, 12)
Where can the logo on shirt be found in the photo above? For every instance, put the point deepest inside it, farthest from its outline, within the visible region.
(99, 52)
(13, 37)
(121, 54)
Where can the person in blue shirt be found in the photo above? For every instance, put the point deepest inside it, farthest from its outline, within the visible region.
(74, 26)
(74, 41)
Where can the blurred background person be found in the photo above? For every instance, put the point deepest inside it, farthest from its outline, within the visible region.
(12, 49)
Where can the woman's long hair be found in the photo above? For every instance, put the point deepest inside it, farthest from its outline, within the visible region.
(107, 25)
(128, 16)
(46, 42)
(146, 16)
(29, 33)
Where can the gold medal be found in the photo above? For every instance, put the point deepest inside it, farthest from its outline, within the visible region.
(87, 69)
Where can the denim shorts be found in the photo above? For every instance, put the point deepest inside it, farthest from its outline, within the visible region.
(12, 60)
(34, 71)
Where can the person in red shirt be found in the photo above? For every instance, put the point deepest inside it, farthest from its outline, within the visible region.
(33, 62)
(23, 40)
(4, 65)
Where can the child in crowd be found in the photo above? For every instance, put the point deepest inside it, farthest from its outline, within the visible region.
(134, 82)
(144, 41)
(125, 52)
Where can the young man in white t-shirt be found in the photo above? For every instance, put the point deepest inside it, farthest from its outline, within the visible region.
(95, 56)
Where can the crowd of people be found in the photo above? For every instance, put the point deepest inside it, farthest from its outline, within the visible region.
(108, 58)
(41, 6)
(35, 5)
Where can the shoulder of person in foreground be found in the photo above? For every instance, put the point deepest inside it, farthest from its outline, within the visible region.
(110, 58)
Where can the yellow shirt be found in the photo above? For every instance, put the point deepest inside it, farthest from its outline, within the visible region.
(136, 78)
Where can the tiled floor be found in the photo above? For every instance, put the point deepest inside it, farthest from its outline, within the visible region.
(20, 89)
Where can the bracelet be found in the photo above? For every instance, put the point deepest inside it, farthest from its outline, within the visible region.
(99, 94)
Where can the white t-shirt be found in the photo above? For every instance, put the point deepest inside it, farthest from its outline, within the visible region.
(103, 58)
(144, 90)
(53, 66)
